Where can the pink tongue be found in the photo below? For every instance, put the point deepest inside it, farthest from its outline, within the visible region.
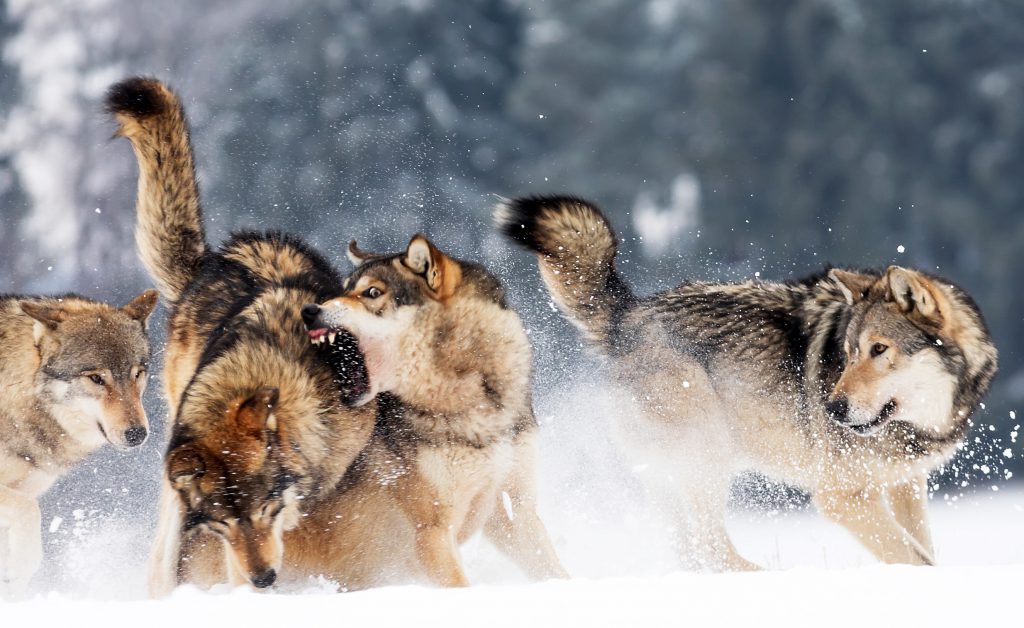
(318, 333)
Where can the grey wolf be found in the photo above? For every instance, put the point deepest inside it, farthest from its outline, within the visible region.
(455, 442)
(853, 385)
(262, 423)
(73, 373)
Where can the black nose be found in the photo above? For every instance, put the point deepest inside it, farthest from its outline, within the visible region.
(265, 579)
(134, 435)
(838, 408)
(309, 314)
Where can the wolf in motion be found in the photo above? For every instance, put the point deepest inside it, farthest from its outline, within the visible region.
(262, 425)
(454, 446)
(852, 385)
(73, 372)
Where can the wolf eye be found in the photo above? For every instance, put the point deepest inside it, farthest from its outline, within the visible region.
(97, 379)
(878, 349)
(141, 373)
(218, 526)
(372, 292)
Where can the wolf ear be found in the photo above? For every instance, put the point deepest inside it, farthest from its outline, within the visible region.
(184, 464)
(358, 256)
(853, 285)
(913, 293)
(441, 272)
(257, 412)
(141, 306)
(46, 317)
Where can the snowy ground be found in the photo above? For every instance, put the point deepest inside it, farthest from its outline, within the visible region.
(822, 578)
(625, 573)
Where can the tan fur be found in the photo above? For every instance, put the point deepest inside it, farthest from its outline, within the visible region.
(456, 440)
(734, 377)
(261, 434)
(53, 413)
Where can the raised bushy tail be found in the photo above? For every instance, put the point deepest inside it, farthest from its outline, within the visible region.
(169, 228)
(575, 246)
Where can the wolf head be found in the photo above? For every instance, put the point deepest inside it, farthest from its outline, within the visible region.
(234, 481)
(387, 298)
(93, 367)
(916, 350)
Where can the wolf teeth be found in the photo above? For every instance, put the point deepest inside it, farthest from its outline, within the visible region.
(330, 337)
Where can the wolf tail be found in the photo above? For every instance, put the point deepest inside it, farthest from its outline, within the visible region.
(169, 230)
(575, 246)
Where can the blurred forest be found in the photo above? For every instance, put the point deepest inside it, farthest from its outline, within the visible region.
(726, 138)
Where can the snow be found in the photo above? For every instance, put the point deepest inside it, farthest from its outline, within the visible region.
(624, 577)
(839, 586)
(810, 597)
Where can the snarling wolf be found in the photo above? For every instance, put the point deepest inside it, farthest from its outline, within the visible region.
(72, 374)
(454, 447)
(853, 385)
(262, 427)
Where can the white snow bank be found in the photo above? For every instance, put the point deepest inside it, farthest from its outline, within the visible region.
(836, 583)
(944, 596)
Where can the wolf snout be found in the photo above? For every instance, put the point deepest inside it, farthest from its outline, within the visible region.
(265, 579)
(310, 312)
(838, 408)
(135, 435)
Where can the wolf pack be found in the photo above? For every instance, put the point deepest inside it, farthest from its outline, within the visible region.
(362, 427)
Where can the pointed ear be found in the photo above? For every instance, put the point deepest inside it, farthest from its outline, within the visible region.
(440, 271)
(184, 465)
(358, 256)
(46, 318)
(257, 412)
(49, 315)
(913, 293)
(141, 306)
(853, 285)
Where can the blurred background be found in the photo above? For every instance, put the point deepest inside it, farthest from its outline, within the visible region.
(725, 138)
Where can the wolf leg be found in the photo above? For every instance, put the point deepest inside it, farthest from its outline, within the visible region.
(436, 547)
(870, 519)
(514, 525)
(438, 553)
(166, 553)
(708, 540)
(909, 503)
(19, 514)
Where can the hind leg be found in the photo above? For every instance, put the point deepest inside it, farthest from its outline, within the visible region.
(697, 505)
(708, 539)
(514, 525)
(20, 516)
(867, 515)
(909, 503)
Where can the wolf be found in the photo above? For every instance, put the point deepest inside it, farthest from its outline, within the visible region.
(853, 385)
(454, 446)
(263, 424)
(73, 373)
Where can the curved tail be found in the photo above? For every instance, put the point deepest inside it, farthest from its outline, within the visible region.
(169, 229)
(575, 246)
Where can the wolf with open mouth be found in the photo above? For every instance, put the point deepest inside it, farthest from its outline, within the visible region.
(455, 442)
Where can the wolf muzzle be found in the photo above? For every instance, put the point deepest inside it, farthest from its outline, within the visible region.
(839, 409)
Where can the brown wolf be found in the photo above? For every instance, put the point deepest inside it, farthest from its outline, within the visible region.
(852, 385)
(261, 428)
(454, 447)
(73, 372)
